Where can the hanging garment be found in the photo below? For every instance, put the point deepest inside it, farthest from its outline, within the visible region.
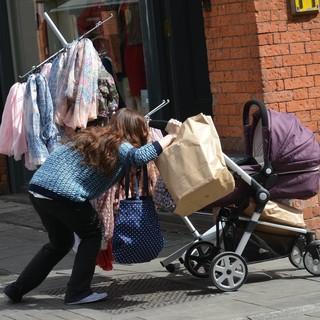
(46, 70)
(12, 132)
(107, 206)
(77, 98)
(82, 86)
(108, 97)
(41, 132)
(107, 63)
(56, 77)
(58, 82)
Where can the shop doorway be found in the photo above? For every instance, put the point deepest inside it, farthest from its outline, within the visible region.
(176, 57)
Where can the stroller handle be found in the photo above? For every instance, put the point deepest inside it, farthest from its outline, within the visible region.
(263, 112)
(158, 124)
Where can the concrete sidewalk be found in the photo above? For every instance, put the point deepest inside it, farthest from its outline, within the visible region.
(274, 289)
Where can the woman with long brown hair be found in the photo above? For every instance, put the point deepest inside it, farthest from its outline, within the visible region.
(74, 173)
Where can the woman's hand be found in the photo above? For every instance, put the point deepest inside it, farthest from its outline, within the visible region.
(173, 127)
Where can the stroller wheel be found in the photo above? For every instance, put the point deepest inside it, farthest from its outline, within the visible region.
(311, 260)
(297, 253)
(228, 271)
(198, 258)
(171, 268)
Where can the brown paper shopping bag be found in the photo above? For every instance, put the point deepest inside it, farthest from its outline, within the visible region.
(278, 213)
(193, 166)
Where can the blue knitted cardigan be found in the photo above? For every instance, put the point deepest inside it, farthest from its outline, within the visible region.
(64, 175)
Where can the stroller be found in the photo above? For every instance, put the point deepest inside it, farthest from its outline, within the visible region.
(281, 163)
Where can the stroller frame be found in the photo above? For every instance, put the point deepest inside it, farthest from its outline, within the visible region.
(206, 255)
(232, 268)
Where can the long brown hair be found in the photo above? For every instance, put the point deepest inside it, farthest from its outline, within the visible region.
(99, 145)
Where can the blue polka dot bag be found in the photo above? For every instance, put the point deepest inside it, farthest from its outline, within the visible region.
(137, 236)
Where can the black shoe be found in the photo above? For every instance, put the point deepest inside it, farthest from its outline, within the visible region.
(12, 293)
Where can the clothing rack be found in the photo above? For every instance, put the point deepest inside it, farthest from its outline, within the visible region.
(160, 106)
(42, 63)
(98, 24)
(55, 29)
(62, 39)
(157, 124)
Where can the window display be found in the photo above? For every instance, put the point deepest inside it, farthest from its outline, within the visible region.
(119, 42)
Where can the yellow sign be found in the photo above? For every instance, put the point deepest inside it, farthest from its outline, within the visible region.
(304, 6)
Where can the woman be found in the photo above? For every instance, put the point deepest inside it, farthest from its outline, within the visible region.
(60, 191)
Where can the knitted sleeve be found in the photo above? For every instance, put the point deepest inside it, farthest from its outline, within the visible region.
(143, 155)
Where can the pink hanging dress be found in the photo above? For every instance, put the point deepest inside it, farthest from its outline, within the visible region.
(12, 132)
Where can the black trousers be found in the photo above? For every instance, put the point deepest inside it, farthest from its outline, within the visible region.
(61, 221)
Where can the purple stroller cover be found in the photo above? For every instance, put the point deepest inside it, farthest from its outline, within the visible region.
(293, 152)
(289, 145)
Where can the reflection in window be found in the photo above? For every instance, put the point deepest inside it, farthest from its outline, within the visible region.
(119, 42)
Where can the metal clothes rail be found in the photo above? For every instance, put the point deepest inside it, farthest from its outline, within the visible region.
(63, 41)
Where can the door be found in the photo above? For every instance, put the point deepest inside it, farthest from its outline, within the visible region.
(176, 57)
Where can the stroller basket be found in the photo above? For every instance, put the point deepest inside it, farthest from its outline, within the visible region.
(264, 243)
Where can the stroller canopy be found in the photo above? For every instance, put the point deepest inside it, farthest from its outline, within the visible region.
(286, 143)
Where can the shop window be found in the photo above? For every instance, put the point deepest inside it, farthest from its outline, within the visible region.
(118, 41)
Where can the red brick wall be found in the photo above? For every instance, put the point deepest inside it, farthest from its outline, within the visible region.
(4, 179)
(259, 50)
(290, 60)
(234, 62)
